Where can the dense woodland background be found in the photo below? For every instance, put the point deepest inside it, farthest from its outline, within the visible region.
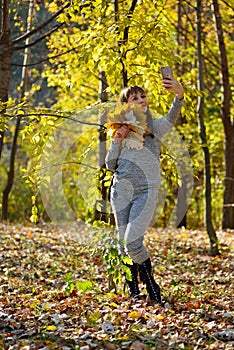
(60, 59)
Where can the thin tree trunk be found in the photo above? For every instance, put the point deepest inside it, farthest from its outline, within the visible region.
(24, 76)
(1, 142)
(200, 112)
(5, 50)
(124, 72)
(101, 209)
(11, 172)
(181, 198)
(124, 41)
(228, 206)
(5, 61)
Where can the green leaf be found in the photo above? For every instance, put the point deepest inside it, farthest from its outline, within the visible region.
(127, 260)
(84, 286)
(69, 277)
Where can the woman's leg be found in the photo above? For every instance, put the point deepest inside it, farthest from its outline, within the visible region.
(133, 285)
(140, 216)
(121, 205)
(153, 289)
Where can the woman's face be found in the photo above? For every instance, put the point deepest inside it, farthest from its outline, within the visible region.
(139, 99)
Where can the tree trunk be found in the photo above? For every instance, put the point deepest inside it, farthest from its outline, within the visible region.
(124, 72)
(11, 172)
(24, 75)
(228, 206)
(101, 205)
(182, 198)
(5, 61)
(122, 56)
(202, 131)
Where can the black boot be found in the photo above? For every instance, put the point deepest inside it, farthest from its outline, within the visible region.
(133, 284)
(153, 289)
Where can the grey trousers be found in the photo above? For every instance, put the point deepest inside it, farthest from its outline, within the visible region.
(133, 210)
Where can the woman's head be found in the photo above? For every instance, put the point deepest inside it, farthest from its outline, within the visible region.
(134, 95)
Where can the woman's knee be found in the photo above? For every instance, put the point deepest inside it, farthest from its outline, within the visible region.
(137, 251)
(135, 248)
(135, 245)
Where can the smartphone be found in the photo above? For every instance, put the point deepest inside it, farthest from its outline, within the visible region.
(166, 72)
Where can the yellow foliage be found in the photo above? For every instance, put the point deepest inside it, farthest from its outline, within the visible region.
(51, 328)
(134, 314)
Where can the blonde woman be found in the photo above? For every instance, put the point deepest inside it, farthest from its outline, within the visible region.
(136, 181)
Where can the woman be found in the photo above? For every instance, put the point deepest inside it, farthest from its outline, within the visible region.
(135, 184)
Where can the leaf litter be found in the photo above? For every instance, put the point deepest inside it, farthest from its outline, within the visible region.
(54, 292)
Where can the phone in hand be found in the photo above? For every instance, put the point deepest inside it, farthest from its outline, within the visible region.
(166, 72)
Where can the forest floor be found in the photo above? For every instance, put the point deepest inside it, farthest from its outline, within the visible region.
(54, 291)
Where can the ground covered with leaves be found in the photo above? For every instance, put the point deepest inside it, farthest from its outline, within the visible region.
(54, 291)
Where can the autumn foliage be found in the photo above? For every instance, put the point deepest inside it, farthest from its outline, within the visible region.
(54, 292)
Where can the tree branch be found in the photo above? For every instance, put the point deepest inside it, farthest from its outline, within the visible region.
(130, 12)
(42, 26)
(65, 163)
(16, 48)
(44, 60)
(225, 2)
(59, 116)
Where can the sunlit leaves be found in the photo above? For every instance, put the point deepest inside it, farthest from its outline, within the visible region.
(101, 46)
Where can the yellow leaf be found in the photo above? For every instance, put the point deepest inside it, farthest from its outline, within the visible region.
(160, 317)
(47, 307)
(36, 138)
(51, 328)
(50, 122)
(122, 337)
(134, 314)
(113, 304)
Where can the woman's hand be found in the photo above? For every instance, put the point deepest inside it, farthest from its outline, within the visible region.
(121, 133)
(172, 84)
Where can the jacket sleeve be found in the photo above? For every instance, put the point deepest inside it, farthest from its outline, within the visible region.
(112, 156)
(163, 125)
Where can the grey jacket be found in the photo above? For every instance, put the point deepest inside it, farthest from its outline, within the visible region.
(140, 169)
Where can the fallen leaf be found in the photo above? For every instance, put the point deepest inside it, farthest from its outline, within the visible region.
(134, 314)
(51, 328)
